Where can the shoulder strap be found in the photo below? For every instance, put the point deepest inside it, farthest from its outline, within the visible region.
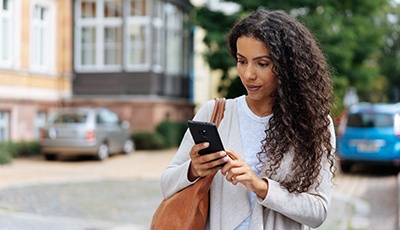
(218, 112)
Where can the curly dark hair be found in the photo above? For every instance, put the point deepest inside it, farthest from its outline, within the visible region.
(303, 98)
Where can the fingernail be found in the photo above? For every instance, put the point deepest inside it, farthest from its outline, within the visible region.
(205, 144)
(222, 153)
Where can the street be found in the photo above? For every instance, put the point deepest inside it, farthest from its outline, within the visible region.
(78, 193)
(374, 192)
(123, 192)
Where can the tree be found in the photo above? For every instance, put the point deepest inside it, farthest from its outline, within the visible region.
(350, 34)
(390, 58)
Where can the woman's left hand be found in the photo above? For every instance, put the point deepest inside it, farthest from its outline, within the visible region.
(236, 170)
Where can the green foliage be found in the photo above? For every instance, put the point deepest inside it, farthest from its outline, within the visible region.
(145, 140)
(5, 156)
(9, 150)
(24, 148)
(168, 134)
(361, 44)
(389, 61)
(172, 132)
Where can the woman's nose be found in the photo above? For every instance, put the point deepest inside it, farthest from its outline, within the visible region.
(250, 72)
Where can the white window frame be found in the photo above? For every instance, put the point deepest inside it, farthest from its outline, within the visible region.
(6, 38)
(141, 20)
(174, 38)
(4, 125)
(49, 49)
(99, 23)
(158, 30)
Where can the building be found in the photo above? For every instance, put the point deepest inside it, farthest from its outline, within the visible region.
(133, 56)
(34, 77)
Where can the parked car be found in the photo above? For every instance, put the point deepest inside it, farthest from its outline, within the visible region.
(85, 131)
(369, 133)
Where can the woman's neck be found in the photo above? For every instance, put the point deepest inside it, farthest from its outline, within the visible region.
(261, 108)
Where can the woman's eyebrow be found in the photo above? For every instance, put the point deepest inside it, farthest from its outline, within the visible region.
(260, 57)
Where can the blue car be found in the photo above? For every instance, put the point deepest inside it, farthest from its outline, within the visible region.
(369, 133)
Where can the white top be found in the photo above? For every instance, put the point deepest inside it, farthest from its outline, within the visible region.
(252, 130)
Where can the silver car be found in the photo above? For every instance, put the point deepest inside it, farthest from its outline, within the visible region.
(85, 131)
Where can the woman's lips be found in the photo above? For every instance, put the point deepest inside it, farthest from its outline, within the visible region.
(252, 88)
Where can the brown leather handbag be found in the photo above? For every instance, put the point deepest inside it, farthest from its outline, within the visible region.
(188, 208)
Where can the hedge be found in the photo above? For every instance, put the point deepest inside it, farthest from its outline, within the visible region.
(9, 150)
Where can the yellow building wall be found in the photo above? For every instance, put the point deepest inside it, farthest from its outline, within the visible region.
(64, 35)
(25, 92)
(23, 77)
(25, 32)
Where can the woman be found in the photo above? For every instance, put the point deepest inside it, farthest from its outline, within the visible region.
(280, 133)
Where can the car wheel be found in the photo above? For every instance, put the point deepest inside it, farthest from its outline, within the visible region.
(103, 152)
(129, 146)
(50, 157)
(345, 167)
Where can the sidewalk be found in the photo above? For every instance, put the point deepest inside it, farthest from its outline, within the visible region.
(35, 170)
(118, 194)
(347, 213)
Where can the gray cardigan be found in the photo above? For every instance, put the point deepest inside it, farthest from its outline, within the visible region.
(230, 205)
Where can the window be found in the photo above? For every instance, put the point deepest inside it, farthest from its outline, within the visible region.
(88, 46)
(138, 8)
(43, 36)
(370, 120)
(88, 9)
(40, 121)
(108, 117)
(174, 34)
(131, 35)
(40, 36)
(99, 35)
(158, 38)
(113, 46)
(4, 126)
(5, 31)
(137, 45)
(138, 35)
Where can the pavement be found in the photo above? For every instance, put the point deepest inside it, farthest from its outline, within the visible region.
(118, 194)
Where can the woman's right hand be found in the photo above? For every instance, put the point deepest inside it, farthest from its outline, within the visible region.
(203, 165)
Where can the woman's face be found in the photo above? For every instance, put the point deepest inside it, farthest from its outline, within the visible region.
(254, 67)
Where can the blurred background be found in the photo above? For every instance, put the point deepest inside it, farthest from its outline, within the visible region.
(154, 62)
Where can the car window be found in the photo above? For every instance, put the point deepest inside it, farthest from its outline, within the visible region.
(107, 117)
(370, 120)
(68, 118)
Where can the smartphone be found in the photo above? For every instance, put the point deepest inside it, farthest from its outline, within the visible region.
(206, 132)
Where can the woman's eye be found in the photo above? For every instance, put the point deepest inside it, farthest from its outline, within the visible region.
(262, 64)
(241, 61)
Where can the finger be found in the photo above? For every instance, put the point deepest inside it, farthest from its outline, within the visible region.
(212, 157)
(216, 163)
(197, 147)
(232, 179)
(232, 155)
(220, 162)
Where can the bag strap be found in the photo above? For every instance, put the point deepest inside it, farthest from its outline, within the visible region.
(218, 112)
